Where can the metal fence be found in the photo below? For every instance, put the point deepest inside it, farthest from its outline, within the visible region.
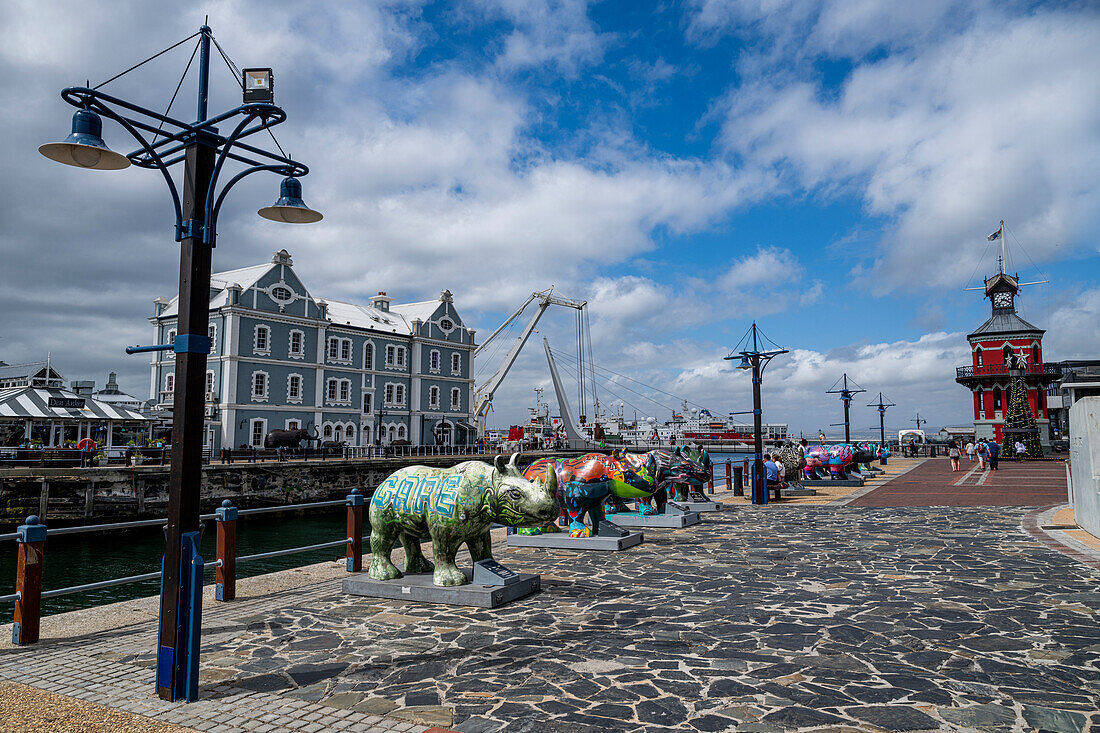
(31, 539)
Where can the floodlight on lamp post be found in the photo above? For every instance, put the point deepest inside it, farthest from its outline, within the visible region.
(163, 142)
(756, 358)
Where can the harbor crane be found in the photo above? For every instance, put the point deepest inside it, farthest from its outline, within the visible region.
(483, 394)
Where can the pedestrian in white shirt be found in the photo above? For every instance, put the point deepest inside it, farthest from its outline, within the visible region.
(970, 451)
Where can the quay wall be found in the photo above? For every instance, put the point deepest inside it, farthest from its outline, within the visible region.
(67, 496)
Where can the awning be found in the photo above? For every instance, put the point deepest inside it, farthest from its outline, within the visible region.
(51, 403)
(465, 425)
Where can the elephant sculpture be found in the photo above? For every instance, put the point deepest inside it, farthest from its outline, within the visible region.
(452, 506)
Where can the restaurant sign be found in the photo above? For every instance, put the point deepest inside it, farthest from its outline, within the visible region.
(70, 403)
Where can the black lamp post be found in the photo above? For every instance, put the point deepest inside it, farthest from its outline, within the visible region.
(165, 141)
(848, 390)
(757, 359)
(882, 406)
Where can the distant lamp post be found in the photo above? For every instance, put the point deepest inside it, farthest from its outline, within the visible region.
(163, 142)
(882, 405)
(755, 357)
(847, 391)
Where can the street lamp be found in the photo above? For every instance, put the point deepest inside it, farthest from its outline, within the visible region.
(163, 142)
(882, 405)
(849, 390)
(757, 359)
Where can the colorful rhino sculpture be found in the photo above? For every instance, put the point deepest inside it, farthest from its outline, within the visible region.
(696, 466)
(452, 506)
(673, 468)
(586, 482)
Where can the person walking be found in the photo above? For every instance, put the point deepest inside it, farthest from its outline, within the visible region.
(954, 454)
(1021, 449)
(982, 453)
(970, 450)
(994, 455)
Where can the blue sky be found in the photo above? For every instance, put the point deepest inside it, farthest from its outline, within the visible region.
(827, 168)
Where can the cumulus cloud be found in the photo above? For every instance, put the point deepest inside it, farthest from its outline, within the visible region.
(941, 141)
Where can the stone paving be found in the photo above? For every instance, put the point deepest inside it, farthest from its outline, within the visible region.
(757, 619)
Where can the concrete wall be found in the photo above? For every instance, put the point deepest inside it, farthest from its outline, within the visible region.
(1084, 457)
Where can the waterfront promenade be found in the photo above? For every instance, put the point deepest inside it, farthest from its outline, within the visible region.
(785, 617)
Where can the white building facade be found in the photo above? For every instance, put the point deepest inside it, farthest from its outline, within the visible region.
(360, 374)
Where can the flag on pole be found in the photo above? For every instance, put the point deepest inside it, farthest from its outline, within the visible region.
(994, 236)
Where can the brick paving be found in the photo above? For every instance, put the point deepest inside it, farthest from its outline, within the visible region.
(1031, 483)
(758, 619)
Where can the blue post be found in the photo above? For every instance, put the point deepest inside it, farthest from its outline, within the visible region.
(355, 502)
(182, 675)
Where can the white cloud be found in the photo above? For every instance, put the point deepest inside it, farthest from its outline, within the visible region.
(997, 121)
(554, 33)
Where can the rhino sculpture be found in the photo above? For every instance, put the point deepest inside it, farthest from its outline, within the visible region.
(288, 438)
(452, 506)
(586, 482)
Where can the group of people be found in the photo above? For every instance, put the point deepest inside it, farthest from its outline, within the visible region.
(986, 452)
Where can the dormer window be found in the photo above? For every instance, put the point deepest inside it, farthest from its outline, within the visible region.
(978, 356)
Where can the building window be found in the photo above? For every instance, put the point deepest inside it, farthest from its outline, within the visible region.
(259, 431)
(171, 339)
(349, 433)
(456, 364)
(345, 390)
(389, 394)
(433, 361)
(433, 397)
(260, 386)
(978, 356)
(1035, 354)
(296, 348)
(368, 356)
(996, 401)
(293, 424)
(345, 349)
(169, 383)
(339, 350)
(261, 340)
(400, 356)
(212, 332)
(333, 348)
(366, 401)
(210, 385)
(456, 398)
(331, 389)
(401, 432)
(981, 402)
(281, 294)
(327, 432)
(399, 394)
(338, 433)
(294, 388)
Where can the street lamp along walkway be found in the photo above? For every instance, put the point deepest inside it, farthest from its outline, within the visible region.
(756, 356)
(163, 142)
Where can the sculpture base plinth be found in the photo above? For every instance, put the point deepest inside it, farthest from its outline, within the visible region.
(701, 506)
(562, 541)
(655, 521)
(833, 482)
(796, 492)
(420, 588)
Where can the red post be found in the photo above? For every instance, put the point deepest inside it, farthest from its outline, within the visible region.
(355, 503)
(729, 475)
(31, 539)
(225, 575)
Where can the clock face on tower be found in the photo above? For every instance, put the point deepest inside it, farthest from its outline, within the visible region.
(1002, 300)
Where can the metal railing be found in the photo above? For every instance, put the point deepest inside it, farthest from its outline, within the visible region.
(31, 541)
(986, 370)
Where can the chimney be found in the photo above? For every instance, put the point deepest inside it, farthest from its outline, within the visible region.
(381, 301)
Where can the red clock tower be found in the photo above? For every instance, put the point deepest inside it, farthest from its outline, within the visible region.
(992, 346)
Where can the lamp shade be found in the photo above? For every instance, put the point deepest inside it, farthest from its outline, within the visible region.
(745, 363)
(290, 208)
(84, 148)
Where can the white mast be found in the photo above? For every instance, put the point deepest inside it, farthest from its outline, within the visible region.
(1002, 238)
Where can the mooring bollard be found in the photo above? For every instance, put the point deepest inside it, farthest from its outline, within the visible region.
(355, 503)
(31, 539)
(729, 475)
(225, 575)
(710, 479)
(741, 478)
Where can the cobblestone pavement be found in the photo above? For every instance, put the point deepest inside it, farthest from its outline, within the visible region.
(781, 618)
(1031, 483)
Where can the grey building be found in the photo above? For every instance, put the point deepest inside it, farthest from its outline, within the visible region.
(363, 374)
(1080, 378)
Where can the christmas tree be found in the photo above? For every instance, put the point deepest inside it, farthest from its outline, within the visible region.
(1020, 416)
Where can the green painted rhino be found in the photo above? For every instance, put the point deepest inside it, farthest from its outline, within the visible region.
(451, 506)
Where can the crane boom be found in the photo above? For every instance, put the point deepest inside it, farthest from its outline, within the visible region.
(483, 395)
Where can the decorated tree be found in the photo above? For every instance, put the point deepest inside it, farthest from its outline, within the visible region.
(1020, 416)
